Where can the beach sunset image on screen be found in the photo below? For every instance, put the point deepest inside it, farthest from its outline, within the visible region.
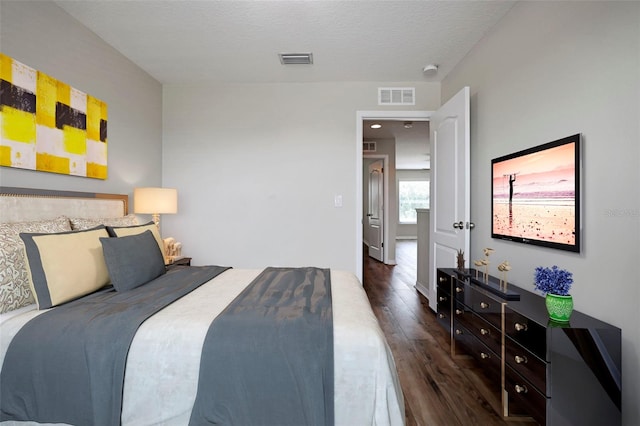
(535, 195)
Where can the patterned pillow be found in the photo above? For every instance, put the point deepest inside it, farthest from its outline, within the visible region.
(14, 278)
(80, 224)
(66, 265)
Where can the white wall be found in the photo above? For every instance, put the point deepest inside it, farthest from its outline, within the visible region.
(549, 70)
(44, 37)
(257, 168)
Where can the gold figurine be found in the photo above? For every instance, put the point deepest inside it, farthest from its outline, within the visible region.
(504, 267)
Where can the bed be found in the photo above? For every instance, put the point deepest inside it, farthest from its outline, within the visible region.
(163, 362)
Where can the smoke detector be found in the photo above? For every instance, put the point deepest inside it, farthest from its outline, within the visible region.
(430, 69)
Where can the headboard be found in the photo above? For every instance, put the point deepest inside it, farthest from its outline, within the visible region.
(25, 204)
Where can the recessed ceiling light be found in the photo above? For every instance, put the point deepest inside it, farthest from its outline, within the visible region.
(376, 126)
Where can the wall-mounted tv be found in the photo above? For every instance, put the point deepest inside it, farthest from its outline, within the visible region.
(536, 195)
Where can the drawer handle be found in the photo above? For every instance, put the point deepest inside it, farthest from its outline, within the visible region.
(484, 305)
(442, 299)
(484, 331)
(442, 279)
(521, 359)
(484, 355)
(458, 332)
(459, 290)
(521, 327)
(441, 316)
(521, 389)
(459, 312)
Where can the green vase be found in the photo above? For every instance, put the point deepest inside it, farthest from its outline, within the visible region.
(559, 307)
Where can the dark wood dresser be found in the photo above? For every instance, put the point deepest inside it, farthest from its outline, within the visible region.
(558, 374)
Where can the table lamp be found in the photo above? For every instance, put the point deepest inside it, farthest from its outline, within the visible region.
(155, 201)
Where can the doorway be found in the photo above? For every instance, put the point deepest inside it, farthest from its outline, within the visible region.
(363, 116)
(450, 223)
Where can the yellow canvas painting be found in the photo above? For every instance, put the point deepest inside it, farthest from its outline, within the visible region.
(49, 126)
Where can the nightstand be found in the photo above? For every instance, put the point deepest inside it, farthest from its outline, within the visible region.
(183, 261)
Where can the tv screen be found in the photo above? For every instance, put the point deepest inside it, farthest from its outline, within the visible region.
(536, 195)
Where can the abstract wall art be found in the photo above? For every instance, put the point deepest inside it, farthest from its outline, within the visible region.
(49, 126)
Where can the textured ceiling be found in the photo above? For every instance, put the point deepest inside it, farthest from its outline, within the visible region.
(178, 41)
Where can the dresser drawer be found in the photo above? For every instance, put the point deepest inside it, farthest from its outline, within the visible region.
(467, 343)
(481, 329)
(527, 364)
(524, 395)
(444, 281)
(459, 291)
(529, 334)
(444, 308)
(487, 307)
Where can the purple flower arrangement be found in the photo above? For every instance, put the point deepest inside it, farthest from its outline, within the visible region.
(553, 280)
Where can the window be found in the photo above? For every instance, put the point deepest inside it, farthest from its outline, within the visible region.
(412, 194)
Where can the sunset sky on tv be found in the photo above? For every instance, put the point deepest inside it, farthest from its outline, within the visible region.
(550, 170)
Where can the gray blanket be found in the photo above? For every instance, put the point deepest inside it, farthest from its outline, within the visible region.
(268, 358)
(67, 365)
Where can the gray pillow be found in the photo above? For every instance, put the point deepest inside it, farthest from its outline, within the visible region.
(132, 260)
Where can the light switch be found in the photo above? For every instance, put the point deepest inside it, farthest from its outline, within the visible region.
(337, 201)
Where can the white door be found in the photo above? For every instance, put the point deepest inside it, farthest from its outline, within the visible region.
(375, 212)
(450, 192)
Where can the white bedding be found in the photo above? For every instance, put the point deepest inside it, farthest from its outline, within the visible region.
(162, 366)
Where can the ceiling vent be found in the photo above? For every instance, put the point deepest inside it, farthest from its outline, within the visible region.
(369, 146)
(396, 95)
(296, 58)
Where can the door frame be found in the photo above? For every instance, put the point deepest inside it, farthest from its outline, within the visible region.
(361, 116)
(385, 205)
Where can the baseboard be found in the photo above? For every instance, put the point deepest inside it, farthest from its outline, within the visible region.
(407, 238)
(423, 289)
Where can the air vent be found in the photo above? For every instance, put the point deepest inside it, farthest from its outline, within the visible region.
(369, 146)
(296, 58)
(396, 96)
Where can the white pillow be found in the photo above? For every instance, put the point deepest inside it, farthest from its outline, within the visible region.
(79, 223)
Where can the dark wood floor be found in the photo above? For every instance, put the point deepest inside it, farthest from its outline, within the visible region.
(437, 389)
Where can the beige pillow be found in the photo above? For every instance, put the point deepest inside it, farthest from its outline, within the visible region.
(115, 231)
(65, 266)
(14, 278)
(79, 223)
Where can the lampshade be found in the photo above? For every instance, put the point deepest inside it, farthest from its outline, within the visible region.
(155, 200)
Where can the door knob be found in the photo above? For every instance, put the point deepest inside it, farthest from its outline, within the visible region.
(458, 225)
(471, 225)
